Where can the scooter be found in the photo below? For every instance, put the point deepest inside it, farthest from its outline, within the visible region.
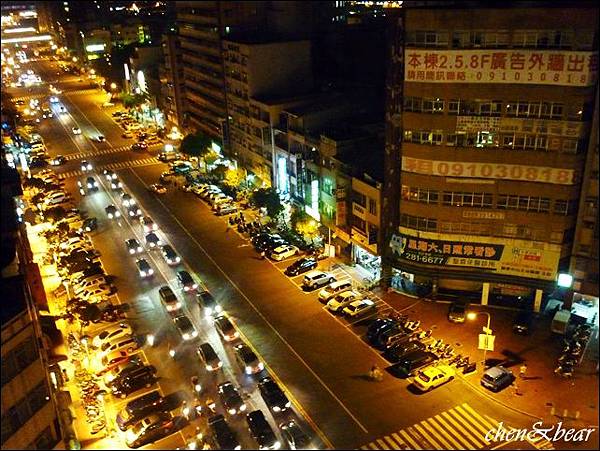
(412, 325)
(424, 334)
(463, 362)
(564, 370)
(454, 360)
(196, 386)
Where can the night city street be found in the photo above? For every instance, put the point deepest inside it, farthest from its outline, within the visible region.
(300, 225)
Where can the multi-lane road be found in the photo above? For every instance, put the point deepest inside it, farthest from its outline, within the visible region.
(320, 360)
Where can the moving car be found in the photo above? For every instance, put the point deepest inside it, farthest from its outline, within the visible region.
(208, 304)
(294, 435)
(150, 429)
(158, 188)
(58, 160)
(109, 174)
(185, 281)
(116, 184)
(301, 265)
(127, 200)
(284, 251)
(359, 308)
(273, 396)
(148, 224)
(433, 376)
(152, 240)
(168, 298)
(316, 279)
(76, 131)
(496, 378)
(144, 268)
(170, 255)
(209, 357)
(100, 138)
(226, 329)
(90, 224)
(341, 301)
(86, 166)
(261, 431)
(247, 359)
(230, 398)
(112, 212)
(222, 433)
(333, 289)
(185, 327)
(134, 211)
(139, 408)
(91, 183)
(457, 312)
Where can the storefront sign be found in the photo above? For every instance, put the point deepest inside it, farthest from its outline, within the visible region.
(483, 214)
(546, 67)
(489, 171)
(340, 193)
(340, 213)
(358, 211)
(475, 124)
(486, 254)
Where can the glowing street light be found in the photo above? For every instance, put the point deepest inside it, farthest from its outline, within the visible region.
(487, 331)
(113, 86)
(74, 59)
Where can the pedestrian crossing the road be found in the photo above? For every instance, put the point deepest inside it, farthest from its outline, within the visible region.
(113, 166)
(458, 428)
(96, 153)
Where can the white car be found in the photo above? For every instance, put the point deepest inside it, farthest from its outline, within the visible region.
(86, 166)
(359, 308)
(283, 252)
(55, 198)
(96, 293)
(76, 131)
(90, 285)
(54, 99)
(107, 335)
(148, 224)
(316, 278)
(341, 301)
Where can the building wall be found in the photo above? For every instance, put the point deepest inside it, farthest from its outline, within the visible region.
(492, 162)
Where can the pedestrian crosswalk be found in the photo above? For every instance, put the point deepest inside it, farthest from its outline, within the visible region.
(113, 166)
(540, 442)
(40, 96)
(458, 428)
(99, 152)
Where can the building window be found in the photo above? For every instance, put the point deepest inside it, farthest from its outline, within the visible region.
(569, 145)
(359, 198)
(372, 206)
(427, 39)
(359, 223)
(460, 199)
(418, 223)
(523, 203)
(18, 360)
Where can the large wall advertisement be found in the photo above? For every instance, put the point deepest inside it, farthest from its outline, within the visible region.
(510, 257)
(546, 67)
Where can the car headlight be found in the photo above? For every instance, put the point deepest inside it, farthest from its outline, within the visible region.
(143, 273)
(238, 447)
(110, 215)
(276, 409)
(132, 251)
(150, 271)
(186, 288)
(243, 408)
(117, 214)
(178, 305)
(248, 370)
(186, 336)
(209, 368)
(288, 404)
(177, 259)
(218, 308)
(232, 411)
(261, 366)
(277, 444)
(194, 286)
(139, 249)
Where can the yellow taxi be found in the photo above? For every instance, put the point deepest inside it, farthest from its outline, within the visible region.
(433, 376)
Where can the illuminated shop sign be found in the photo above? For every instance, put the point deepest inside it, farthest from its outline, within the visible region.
(513, 257)
(95, 48)
(518, 172)
(547, 67)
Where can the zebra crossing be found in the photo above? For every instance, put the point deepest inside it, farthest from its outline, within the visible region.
(40, 96)
(458, 428)
(99, 152)
(540, 442)
(113, 166)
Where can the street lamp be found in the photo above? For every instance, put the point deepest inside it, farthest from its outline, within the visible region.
(471, 316)
(113, 86)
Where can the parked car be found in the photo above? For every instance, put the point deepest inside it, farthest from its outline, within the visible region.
(261, 431)
(342, 300)
(522, 322)
(333, 289)
(126, 384)
(209, 357)
(293, 434)
(134, 362)
(144, 268)
(359, 308)
(457, 312)
(283, 252)
(399, 350)
(247, 359)
(185, 327)
(225, 209)
(316, 279)
(112, 212)
(125, 343)
(120, 329)
(230, 398)
(222, 433)
(208, 304)
(497, 378)
(95, 293)
(113, 359)
(226, 328)
(168, 298)
(152, 240)
(301, 265)
(411, 363)
(273, 396)
(139, 408)
(433, 376)
(170, 255)
(186, 281)
(150, 429)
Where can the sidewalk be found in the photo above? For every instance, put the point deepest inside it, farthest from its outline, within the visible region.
(540, 394)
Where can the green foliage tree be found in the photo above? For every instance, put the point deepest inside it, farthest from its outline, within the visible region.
(196, 145)
(304, 224)
(234, 177)
(268, 198)
(132, 100)
(220, 171)
(54, 214)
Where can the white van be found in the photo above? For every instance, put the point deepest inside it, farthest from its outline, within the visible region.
(314, 279)
(332, 290)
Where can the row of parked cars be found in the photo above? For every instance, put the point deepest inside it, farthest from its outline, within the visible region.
(221, 203)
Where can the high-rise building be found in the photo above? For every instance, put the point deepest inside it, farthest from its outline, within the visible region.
(171, 79)
(489, 119)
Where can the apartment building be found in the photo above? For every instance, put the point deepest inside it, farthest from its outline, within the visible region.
(170, 73)
(263, 66)
(202, 25)
(489, 120)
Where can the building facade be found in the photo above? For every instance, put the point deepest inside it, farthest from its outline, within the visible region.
(489, 111)
(171, 80)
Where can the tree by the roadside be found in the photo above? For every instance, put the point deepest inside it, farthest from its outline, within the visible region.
(304, 224)
(234, 177)
(34, 182)
(54, 214)
(269, 199)
(132, 100)
(219, 171)
(196, 145)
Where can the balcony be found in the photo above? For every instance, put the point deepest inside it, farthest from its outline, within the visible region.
(194, 33)
(201, 49)
(210, 68)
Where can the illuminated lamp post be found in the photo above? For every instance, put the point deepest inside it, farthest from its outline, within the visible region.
(488, 332)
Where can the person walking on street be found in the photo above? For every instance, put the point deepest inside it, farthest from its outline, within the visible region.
(262, 255)
(522, 371)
